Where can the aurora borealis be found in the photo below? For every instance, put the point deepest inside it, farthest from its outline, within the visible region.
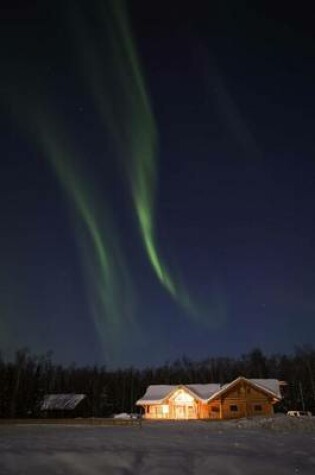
(107, 278)
(132, 125)
(152, 203)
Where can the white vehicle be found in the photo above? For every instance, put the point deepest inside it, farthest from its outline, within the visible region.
(299, 413)
(124, 415)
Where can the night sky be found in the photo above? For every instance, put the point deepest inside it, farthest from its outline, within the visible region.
(157, 179)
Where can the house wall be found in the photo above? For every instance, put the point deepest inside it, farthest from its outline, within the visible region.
(245, 401)
(203, 411)
(170, 410)
(155, 411)
(214, 410)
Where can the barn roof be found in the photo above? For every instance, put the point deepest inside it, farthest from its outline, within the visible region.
(66, 402)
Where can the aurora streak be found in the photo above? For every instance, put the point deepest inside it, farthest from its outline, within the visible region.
(110, 292)
(131, 124)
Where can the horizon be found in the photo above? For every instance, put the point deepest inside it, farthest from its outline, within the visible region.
(182, 359)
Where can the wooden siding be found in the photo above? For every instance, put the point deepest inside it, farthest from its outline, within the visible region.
(196, 410)
(245, 401)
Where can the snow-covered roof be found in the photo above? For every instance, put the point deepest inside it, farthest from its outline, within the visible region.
(61, 401)
(156, 394)
(270, 384)
(203, 391)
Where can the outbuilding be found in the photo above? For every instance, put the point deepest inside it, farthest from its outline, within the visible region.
(64, 405)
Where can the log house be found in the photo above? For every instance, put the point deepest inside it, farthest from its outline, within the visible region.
(241, 398)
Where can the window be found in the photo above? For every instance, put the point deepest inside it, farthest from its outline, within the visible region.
(215, 409)
(181, 397)
(257, 408)
(233, 408)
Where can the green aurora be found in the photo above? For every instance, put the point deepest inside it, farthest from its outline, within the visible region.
(120, 97)
(108, 281)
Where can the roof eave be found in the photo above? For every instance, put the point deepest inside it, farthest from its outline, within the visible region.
(145, 402)
(169, 394)
(237, 380)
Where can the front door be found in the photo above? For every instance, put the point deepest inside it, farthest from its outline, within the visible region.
(180, 412)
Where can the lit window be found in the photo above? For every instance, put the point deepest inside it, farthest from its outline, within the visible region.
(183, 398)
(165, 409)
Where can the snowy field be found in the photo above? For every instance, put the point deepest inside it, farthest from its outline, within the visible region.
(259, 447)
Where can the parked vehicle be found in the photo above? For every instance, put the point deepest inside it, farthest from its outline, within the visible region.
(299, 413)
(122, 415)
(125, 415)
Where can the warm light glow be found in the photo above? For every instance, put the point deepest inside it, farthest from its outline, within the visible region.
(181, 397)
(165, 409)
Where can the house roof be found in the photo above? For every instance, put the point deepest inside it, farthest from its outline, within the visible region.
(156, 394)
(203, 391)
(66, 402)
(270, 386)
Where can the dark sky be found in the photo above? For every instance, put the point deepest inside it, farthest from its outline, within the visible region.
(231, 86)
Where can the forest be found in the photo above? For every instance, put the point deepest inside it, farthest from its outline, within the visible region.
(26, 378)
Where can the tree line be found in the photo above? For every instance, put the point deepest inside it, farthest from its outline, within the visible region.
(27, 378)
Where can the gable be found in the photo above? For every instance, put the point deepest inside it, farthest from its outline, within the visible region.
(269, 384)
(157, 394)
(262, 386)
(182, 396)
(255, 392)
(244, 389)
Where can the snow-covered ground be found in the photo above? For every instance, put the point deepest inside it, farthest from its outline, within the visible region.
(279, 446)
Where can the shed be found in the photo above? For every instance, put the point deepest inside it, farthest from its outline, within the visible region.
(64, 405)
